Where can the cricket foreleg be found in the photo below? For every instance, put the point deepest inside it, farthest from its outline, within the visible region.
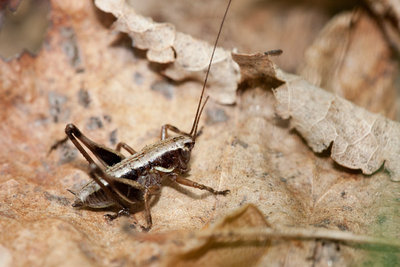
(187, 182)
(126, 147)
(106, 156)
(166, 127)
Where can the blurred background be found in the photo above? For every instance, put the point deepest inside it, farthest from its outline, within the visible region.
(251, 26)
(350, 48)
(23, 26)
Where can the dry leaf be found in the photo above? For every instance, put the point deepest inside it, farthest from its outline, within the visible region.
(251, 25)
(386, 8)
(267, 164)
(23, 25)
(208, 250)
(360, 139)
(244, 237)
(387, 13)
(190, 57)
(351, 58)
(82, 75)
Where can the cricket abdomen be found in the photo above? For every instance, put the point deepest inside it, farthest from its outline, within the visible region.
(99, 199)
(92, 196)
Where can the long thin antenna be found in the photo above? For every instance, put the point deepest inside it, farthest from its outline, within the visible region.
(193, 131)
(201, 111)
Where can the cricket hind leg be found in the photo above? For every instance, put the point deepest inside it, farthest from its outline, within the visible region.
(106, 156)
(97, 173)
(113, 192)
(190, 183)
(123, 201)
(126, 147)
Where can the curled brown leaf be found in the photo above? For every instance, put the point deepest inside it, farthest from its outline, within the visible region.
(360, 139)
(188, 56)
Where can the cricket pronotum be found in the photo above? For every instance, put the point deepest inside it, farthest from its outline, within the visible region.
(126, 181)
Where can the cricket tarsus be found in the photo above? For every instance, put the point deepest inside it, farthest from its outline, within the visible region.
(166, 127)
(122, 212)
(126, 181)
(274, 52)
(57, 144)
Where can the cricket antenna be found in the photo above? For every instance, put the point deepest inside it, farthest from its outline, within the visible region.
(200, 106)
(72, 192)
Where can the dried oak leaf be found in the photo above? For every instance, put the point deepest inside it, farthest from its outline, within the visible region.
(189, 57)
(251, 25)
(387, 13)
(7, 4)
(359, 139)
(206, 247)
(244, 236)
(387, 8)
(82, 76)
(351, 58)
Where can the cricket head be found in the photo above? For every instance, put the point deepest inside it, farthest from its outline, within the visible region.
(184, 145)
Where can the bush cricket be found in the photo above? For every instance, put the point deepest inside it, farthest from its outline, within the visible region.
(126, 181)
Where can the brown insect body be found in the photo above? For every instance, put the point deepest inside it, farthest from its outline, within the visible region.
(167, 157)
(126, 181)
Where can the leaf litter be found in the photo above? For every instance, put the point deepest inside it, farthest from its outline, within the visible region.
(308, 210)
(163, 44)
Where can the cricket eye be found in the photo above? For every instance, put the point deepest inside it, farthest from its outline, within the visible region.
(189, 146)
(185, 154)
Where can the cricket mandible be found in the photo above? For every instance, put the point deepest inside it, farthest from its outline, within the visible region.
(127, 181)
